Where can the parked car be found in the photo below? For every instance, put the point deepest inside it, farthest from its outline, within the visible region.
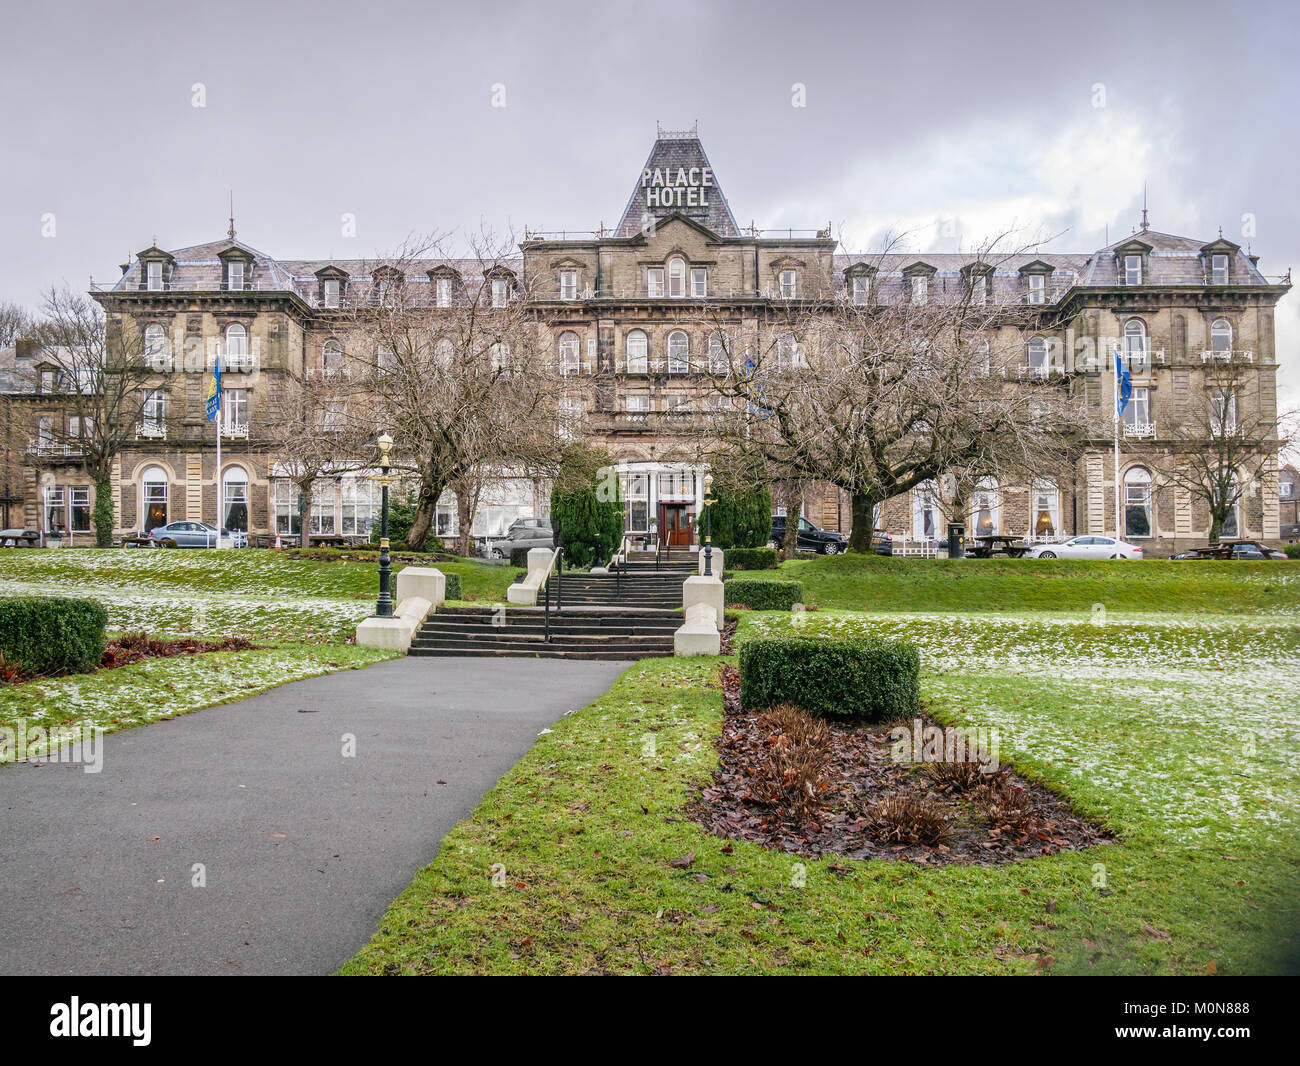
(1290, 532)
(1086, 548)
(811, 539)
(521, 537)
(193, 535)
(1234, 549)
(530, 523)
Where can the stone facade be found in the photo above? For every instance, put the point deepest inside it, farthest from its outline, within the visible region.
(629, 312)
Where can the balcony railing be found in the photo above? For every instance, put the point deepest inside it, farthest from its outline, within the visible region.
(1229, 355)
(151, 429)
(235, 430)
(49, 449)
(1139, 430)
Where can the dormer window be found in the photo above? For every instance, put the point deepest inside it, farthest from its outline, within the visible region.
(500, 292)
(568, 284)
(235, 275)
(789, 280)
(676, 278)
(1132, 270)
(654, 281)
(1218, 270)
(442, 292)
(330, 292)
(153, 272)
(920, 288)
(47, 381)
(861, 289)
(979, 289)
(1037, 288)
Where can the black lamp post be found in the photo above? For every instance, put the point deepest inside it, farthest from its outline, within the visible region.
(384, 606)
(708, 502)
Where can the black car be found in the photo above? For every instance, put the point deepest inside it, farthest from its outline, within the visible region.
(811, 539)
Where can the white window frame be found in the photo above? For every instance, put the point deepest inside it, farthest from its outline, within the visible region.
(1218, 269)
(1038, 288)
(1138, 411)
(654, 282)
(920, 289)
(234, 410)
(789, 284)
(679, 352)
(979, 292)
(861, 289)
(1045, 491)
(568, 284)
(985, 498)
(636, 362)
(676, 278)
(1138, 493)
(637, 403)
(500, 292)
(699, 282)
(331, 292)
(1043, 365)
(570, 352)
(1132, 270)
(155, 488)
(718, 362)
(442, 292)
(235, 275)
(1223, 410)
(234, 490)
(153, 274)
(1220, 330)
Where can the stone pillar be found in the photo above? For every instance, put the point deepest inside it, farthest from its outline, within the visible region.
(699, 635)
(705, 590)
(716, 563)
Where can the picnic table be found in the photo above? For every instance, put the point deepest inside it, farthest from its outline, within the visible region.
(987, 546)
(19, 538)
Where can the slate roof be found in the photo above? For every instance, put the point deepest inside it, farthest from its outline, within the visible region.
(673, 152)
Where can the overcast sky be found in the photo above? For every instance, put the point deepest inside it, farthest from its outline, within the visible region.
(952, 121)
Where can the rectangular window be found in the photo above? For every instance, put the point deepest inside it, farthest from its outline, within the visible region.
(678, 403)
(1037, 288)
(699, 282)
(79, 509)
(234, 276)
(654, 281)
(638, 402)
(1138, 411)
(1219, 270)
(332, 416)
(789, 284)
(1223, 406)
(920, 289)
(568, 284)
(56, 520)
(636, 492)
(1047, 509)
(1132, 270)
(500, 292)
(235, 410)
(861, 289)
(359, 499)
(442, 292)
(979, 290)
(322, 508)
(331, 292)
(286, 506)
(154, 275)
(155, 408)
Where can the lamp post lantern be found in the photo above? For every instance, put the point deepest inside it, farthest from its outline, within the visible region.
(708, 502)
(384, 606)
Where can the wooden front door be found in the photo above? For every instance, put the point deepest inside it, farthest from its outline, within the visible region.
(675, 525)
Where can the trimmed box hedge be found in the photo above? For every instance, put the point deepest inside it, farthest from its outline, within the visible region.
(751, 558)
(762, 594)
(868, 676)
(452, 590)
(52, 634)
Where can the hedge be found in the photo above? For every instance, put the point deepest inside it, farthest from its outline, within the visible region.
(1292, 551)
(865, 676)
(52, 635)
(519, 556)
(762, 594)
(452, 591)
(751, 558)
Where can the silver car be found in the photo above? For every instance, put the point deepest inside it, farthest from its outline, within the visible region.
(193, 535)
(1090, 547)
(522, 536)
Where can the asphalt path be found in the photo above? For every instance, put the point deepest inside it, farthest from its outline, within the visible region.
(302, 846)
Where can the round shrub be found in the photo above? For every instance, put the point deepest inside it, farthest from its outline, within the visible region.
(761, 594)
(51, 634)
(869, 677)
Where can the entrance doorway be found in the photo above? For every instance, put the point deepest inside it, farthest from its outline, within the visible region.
(676, 524)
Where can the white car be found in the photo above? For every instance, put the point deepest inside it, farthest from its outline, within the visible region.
(1087, 548)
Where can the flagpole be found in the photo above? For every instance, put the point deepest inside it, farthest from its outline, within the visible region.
(1119, 522)
(217, 422)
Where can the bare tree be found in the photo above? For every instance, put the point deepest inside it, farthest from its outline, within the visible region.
(1228, 441)
(15, 323)
(462, 374)
(99, 376)
(881, 395)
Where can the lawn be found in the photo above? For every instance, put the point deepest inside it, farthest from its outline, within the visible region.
(1175, 728)
(879, 583)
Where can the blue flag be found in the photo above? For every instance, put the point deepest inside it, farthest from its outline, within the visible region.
(1124, 385)
(214, 395)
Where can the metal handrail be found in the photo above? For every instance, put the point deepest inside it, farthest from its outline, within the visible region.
(619, 552)
(557, 568)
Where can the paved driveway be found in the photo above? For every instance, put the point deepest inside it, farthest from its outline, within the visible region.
(303, 848)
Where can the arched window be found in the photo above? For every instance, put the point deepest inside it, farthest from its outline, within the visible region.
(984, 508)
(332, 355)
(155, 341)
(569, 363)
(236, 340)
(1135, 343)
(679, 353)
(1221, 335)
(676, 277)
(1137, 502)
(637, 353)
(1232, 520)
(1038, 355)
(235, 494)
(154, 489)
(718, 361)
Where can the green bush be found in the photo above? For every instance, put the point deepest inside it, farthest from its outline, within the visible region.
(590, 528)
(762, 594)
(1292, 550)
(453, 586)
(519, 556)
(751, 558)
(867, 676)
(401, 513)
(52, 635)
(741, 517)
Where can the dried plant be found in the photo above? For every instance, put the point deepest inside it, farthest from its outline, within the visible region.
(792, 772)
(907, 818)
(960, 776)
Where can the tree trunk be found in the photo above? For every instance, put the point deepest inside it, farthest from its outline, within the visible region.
(466, 503)
(304, 516)
(793, 513)
(864, 522)
(1216, 526)
(102, 515)
(426, 509)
